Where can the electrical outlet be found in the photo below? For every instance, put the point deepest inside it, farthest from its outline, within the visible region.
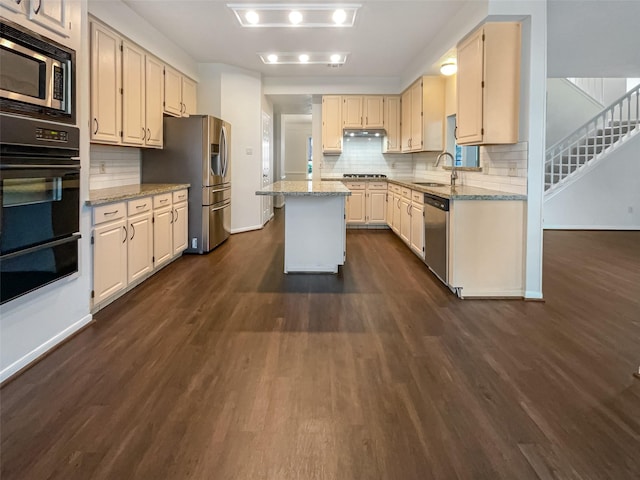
(194, 242)
(393, 165)
(103, 167)
(513, 169)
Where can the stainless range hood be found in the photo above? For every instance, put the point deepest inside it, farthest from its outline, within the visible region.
(371, 132)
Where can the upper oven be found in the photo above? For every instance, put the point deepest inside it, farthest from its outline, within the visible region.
(36, 75)
(39, 204)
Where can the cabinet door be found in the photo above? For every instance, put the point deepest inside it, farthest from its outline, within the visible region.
(397, 214)
(405, 126)
(180, 228)
(331, 124)
(405, 220)
(469, 89)
(390, 207)
(162, 235)
(352, 111)
(417, 229)
(154, 94)
(140, 246)
(105, 85)
(172, 92)
(373, 112)
(109, 259)
(134, 129)
(356, 207)
(376, 206)
(188, 97)
(416, 116)
(51, 14)
(433, 95)
(13, 5)
(392, 124)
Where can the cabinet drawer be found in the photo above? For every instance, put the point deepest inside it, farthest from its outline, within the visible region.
(180, 196)
(406, 192)
(106, 213)
(163, 200)
(395, 188)
(377, 186)
(138, 205)
(356, 185)
(417, 197)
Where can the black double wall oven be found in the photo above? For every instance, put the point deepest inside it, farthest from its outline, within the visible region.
(40, 204)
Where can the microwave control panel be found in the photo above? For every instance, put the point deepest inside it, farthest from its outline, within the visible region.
(52, 135)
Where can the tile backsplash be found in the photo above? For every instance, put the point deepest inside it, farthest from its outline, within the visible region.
(113, 166)
(364, 155)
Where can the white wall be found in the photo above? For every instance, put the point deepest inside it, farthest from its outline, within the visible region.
(364, 155)
(236, 96)
(34, 323)
(295, 134)
(568, 107)
(113, 166)
(606, 197)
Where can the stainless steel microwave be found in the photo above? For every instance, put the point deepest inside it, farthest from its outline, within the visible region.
(37, 75)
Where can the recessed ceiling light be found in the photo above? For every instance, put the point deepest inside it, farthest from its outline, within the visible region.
(448, 68)
(252, 17)
(273, 58)
(339, 16)
(295, 17)
(335, 58)
(304, 58)
(311, 58)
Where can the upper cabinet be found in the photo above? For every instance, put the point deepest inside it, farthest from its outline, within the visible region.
(360, 111)
(154, 95)
(51, 14)
(422, 127)
(332, 124)
(134, 129)
(488, 85)
(179, 94)
(391, 144)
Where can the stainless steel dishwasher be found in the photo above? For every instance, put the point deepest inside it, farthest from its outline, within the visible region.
(436, 235)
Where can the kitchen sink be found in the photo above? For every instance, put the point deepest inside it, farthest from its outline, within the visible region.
(431, 184)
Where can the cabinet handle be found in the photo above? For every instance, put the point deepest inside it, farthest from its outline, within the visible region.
(125, 234)
(18, 2)
(110, 213)
(37, 10)
(133, 232)
(144, 134)
(148, 134)
(141, 206)
(175, 210)
(171, 216)
(164, 200)
(455, 132)
(181, 196)
(96, 122)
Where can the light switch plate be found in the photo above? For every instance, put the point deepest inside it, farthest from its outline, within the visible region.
(249, 151)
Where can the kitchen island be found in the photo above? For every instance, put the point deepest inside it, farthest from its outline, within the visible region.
(314, 224)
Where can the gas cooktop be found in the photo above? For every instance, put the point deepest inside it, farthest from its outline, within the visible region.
(364, 175)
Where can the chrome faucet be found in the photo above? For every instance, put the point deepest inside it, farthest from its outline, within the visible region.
(454, 173)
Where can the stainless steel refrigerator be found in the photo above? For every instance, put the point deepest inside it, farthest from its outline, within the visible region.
(197, 151)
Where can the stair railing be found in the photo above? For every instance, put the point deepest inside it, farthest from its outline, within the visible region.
(605, 129)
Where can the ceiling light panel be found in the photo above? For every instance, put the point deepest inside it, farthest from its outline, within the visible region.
(295, 15)
(303, 58)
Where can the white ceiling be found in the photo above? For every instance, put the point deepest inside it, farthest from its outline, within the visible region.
(386, 38)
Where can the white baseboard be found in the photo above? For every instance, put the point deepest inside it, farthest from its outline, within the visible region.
(42, 349)
(246, 229)
(592, 227)
(529, 295)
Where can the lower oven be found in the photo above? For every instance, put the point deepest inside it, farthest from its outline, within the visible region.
(39, 205)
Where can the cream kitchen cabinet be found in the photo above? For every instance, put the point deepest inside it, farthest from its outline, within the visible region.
(360, 111)
(133, 94)
(405, 215)
(162, 229)
(367, 203)
(417, 223)
(488, 85)
(106, 84)
(422, 127)
(356, 205)
(391, 144)
(51, 14)
(179, 93)
(154, 96)
(180, 229)
(140, 239)
(390, 206)
(332, 124)
(396, 215)
(109, 250)
(352, 111)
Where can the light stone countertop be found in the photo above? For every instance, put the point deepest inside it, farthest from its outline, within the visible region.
(304, 188)
(128, 192)
(460, 192)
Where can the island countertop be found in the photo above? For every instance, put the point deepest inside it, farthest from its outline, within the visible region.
(304, 188)
(128, 192)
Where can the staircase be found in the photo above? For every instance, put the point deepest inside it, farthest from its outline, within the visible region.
(593, 141)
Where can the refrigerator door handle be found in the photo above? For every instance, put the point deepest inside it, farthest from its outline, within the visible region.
(223, 150)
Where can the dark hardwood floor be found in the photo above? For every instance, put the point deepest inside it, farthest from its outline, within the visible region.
(221, 367)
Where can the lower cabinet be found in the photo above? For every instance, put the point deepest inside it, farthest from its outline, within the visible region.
(417, 224)
(131, 240)
(405, 216)
(356, 206)
(367, 203)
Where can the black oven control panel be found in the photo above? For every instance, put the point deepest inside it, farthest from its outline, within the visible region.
(52, 135)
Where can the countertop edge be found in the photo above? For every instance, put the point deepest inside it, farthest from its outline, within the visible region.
(153, 189)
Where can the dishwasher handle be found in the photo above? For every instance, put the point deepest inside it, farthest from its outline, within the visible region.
(437, 202)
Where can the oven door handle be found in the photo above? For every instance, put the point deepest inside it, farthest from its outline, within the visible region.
(15, 166)
(55, 243)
